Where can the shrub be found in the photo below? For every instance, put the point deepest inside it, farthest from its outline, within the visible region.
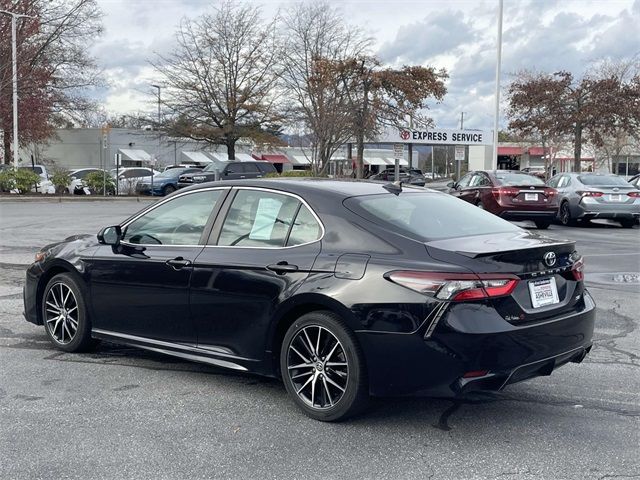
(21, 179)
(61, 178)
(96, 180)
(6, 180)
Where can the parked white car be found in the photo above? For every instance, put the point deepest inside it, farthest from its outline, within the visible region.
(128, 178)
(77, 179)
(44, 186)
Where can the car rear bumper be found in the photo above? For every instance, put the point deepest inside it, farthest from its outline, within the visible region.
(469, 348)
(616, 211)
(547, 214)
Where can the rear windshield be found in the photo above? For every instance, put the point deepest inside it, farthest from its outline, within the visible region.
(508, 178)
(603, 180)
(427, 216)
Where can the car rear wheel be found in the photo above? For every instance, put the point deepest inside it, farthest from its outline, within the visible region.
(542, 225)
(168, 190)
(565, 215)
(323, 367)
(480, 205)
(64, 314)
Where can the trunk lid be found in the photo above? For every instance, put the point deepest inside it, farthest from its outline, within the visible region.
(534, 259)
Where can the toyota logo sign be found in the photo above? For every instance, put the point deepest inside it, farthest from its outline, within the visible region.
(550, 259)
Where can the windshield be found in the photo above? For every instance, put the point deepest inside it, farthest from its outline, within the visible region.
(603, 180)
(173, 173)
(427, 216)
(509, 178)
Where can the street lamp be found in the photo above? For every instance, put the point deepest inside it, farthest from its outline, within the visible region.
(14, 62)
(494, 159)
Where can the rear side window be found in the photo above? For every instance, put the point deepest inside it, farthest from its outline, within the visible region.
(305, 228)
(603, 180)
(250, 168)
(508, 178)
(266, 167)
(427, 216)
(258, 219)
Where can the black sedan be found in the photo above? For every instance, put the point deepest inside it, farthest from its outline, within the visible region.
(342, 289)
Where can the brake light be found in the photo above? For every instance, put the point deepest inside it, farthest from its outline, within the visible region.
(577, 269)
(634, 194)
(456, 287)
(550, 192)
(509, 192)
(590, 194)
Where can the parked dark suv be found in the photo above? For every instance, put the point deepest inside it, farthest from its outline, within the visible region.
(228, 171)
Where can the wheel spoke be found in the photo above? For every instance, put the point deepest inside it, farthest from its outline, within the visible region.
(310, 345)
(66, 296)
(306, 360)
(56, 307)
(335, 364)
(318, 341)
(305, 384)
(61, 295)
(334, 383)
(326, 389)
(66, 328)
(300, 365)
(332, 350)
(313, 390)
(302, 374)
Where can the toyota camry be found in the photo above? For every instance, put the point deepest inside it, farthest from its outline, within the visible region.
(342, 289)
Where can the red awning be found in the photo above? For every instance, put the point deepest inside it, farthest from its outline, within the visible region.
(537, 151)
(509, 151)
(275, 158)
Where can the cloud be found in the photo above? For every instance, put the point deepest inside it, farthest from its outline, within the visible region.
(434, 35)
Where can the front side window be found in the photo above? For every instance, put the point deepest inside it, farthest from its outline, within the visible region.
(250, 168)
(180, 221)
(464, 181)
(258, 219)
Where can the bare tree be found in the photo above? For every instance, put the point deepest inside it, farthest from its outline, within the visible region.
(317, 36)
(220, 82)
(54, 67)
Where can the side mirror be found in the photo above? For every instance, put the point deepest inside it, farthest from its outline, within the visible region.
(228, 172)
(451, 184)
(110, 235)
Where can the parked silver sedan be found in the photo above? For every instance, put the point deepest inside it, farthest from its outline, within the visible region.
(584, 196)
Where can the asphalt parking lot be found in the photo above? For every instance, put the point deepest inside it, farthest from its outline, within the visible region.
(125, 413)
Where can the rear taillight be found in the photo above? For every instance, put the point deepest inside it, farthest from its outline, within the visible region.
(550, 192)
(577, 269)
(634, 194)
(456, 287)
(506, 191)
(590, 194)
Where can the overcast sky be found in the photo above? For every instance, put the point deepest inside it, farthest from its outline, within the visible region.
(459, 35)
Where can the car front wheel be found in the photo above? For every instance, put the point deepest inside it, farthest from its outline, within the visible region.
(323, 367)
(565, 215)
(64, 314)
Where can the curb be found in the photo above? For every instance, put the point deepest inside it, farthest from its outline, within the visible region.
(70, 199)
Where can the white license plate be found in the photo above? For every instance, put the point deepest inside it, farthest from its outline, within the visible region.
(543, 292)
(531, 197)
(615, 198)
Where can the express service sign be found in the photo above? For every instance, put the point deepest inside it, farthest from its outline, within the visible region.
(436, 136)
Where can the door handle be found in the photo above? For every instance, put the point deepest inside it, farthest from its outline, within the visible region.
(178, 263)
(282, 267)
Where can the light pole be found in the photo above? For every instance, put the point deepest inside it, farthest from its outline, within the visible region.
(159, 136)
(14, 63)
(494, 159)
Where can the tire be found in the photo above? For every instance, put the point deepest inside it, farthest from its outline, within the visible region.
(565, 215)
(480, 205)
(64, 294)
(542, 225)
(627, 223)
(342, 386)
(168, 190)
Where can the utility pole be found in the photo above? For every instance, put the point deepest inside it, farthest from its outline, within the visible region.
(494, 159)
(14, 63)
(458, 162)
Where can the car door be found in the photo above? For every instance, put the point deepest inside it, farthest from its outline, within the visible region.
(461, 188)
(261, 250)
(141, 287)
(233, 171)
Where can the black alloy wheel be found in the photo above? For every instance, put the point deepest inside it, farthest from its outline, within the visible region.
(565, 215)
(64, 314)
(542, 224)
(323, 367)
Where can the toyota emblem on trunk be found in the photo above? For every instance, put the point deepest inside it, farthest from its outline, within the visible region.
(550, 259)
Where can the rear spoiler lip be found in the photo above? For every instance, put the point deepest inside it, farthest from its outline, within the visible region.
(535, 242)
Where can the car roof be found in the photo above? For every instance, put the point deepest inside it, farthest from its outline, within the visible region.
(303, 186)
